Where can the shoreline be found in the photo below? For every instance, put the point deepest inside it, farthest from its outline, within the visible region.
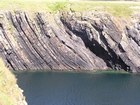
(73, 71)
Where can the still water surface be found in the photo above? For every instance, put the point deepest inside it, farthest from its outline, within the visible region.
(71, 88)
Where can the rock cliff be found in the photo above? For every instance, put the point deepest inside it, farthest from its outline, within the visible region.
(69, 41)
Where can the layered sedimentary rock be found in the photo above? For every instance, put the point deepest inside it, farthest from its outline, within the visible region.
(68, 41)
(109, 38)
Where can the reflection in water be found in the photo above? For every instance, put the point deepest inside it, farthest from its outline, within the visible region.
(68, 88)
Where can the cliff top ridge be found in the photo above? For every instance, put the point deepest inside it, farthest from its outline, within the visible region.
(116, 8)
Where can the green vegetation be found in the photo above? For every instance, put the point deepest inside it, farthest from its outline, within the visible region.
(54, 7)
(117, 8)
(8, 91)
(33, 5)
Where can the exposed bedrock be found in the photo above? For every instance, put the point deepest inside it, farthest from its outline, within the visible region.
(111, 39)
(68, 41)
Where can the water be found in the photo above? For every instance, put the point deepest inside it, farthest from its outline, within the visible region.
(71, 88)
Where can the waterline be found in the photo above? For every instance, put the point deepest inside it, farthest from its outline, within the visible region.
(80, 88)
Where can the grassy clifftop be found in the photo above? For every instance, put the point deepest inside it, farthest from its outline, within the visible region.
(117, 8)
(10, 94)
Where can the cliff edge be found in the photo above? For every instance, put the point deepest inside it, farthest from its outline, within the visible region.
(10, 93)
(69, 41)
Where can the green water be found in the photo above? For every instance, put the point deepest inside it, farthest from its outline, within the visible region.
(80, 88)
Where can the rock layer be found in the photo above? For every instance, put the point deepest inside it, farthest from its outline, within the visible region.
(111, 39)
(68, 41)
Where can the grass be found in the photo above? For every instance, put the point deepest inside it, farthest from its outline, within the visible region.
(33, 5)
(56, 6)
(8, 90)
(116, 8)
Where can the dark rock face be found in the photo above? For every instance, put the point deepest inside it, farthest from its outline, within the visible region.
(111, 40)
(68, 41)
(43, 43)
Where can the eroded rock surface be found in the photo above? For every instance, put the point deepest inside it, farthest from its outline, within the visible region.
(111, 39)
(68, 41)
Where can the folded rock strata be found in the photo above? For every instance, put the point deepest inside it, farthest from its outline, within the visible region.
(69, 41)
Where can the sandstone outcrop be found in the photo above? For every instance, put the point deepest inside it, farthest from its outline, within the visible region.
(69, 41)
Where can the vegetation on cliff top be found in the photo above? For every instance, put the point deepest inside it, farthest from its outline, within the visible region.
(117, 8)
(9, 92)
